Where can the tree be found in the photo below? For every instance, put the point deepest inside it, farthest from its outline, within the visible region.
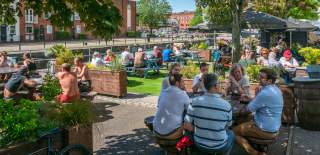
(299, 9)
(101, 17)
(152, 13)
(223, 12)
(197, 18)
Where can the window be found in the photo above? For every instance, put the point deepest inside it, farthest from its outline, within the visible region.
(12, 30)
(76, 16)
(29, 16)
(49, 29)
(129, 17)
(78, 29)
(29, 29)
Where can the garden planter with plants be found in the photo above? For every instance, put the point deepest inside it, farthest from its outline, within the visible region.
(253, 72)
(189, 72)
(312, 57)
(203, 52)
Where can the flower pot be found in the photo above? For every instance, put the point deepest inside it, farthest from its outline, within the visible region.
(79, 135)
(313, 71)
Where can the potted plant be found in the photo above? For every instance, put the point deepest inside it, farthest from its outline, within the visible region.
(204, 52)
(312, 57)
(253, 72)
(189, 72)
(110, 80)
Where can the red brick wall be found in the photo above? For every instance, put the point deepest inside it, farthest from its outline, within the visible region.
(121, 4)
(183, 18)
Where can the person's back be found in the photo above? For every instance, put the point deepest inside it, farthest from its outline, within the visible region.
(139, 59)
(171, 106)
(268, 106)
(166, 54)
(68, 82)
(125, 58)
(211, 115)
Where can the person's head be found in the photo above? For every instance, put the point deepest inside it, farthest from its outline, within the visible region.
(26, 56)
(155, 48)
(77, 61)
(174, 69)
(168, 46)
(237, 71)
(204, 69)
(287, 54)
(66, 67)
(264, 53)
(108, 52)
(96, 55)
(267, 76)
(247, 53)
(140, 49)
(176, 80)
(210, 82)
(3, 55)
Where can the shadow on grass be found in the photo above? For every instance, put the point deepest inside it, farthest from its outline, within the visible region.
(102, 112)
(140, 142)
(134, 83)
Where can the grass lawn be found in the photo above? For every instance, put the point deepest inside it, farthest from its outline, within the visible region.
(150, 85)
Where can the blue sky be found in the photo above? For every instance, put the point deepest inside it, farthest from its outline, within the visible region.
(182, 5)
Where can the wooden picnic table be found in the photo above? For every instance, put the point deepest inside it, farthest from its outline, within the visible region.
(8, 70)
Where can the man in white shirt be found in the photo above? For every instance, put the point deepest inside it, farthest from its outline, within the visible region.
(172, 103)
(197, 83)
(126, 58)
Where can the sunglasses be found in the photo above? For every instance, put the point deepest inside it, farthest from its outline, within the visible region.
(264, 53)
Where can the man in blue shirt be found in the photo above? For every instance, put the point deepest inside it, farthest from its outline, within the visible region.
(266, 108)
(167, 53)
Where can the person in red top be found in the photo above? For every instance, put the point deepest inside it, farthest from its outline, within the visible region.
(110, 56)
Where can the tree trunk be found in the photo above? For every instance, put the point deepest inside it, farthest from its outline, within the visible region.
(236, 32)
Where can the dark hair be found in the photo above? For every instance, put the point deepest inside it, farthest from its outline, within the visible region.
(203, 65)
(27, 55)
(210, 80)
(271, 74)
(66, 67)
(235, 66)
(174, 78)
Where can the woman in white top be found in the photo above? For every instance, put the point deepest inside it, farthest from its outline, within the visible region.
(97, 60)
(174, 69)
(264, 58)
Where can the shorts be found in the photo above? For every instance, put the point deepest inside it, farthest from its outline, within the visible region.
(65, 99)
(250, 130)
(225, 148)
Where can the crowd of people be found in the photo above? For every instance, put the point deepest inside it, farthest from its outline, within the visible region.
(207, 120)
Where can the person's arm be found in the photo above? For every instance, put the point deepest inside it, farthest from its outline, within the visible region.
(229, 123)
(83, 71)
(295, 63)
(188, 119)
(30, 83)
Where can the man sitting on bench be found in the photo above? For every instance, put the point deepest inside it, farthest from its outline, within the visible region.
(267, 108)
(16, 82)
(69, 85)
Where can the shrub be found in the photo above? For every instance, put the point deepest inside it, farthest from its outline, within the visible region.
(21, 122)
(63, 54)
(134, 34)
(62, 35)
(190, 71)
(253, 72)
(50, 88)
(311, 55)
(203, 46)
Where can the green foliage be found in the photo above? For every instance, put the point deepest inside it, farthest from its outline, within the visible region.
(62, 35)
(116, 64)
(197, 18)
(253, 71)
(134, 34)
(311, 55)
(153, 12)
(299, 9)
(63, 54)
(50, 88)
(101, 17)
(203, 46)
(82, 36)
(190, 70)
(253, 42)
(21, 122)
(71, 114)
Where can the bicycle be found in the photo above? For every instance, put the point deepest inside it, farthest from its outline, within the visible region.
(73, 148)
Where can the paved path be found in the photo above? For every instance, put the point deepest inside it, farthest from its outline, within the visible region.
(304, 142)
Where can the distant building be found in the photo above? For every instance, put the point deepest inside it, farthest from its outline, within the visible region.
(31, 27)
(183, 18)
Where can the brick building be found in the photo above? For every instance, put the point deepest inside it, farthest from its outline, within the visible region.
(30, 27)
(183, 18)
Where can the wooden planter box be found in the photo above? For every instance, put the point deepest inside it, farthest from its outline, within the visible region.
(81, 135)
(109, 82)
(188, 85)
(112, 83)
(205, 55)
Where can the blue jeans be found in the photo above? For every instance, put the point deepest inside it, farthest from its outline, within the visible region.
(226, 149)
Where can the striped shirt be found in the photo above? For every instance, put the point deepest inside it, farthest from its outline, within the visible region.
(210, 116)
